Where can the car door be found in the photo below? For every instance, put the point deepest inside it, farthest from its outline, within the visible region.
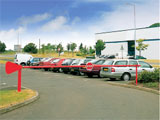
(132, 70)
(120, 70)
(145, 66)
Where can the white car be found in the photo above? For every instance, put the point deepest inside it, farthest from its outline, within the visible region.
(124, 73)
(22, 59)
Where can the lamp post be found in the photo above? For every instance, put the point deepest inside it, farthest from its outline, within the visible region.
(134, 12)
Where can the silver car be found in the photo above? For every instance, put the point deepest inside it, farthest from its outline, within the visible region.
(124, 73)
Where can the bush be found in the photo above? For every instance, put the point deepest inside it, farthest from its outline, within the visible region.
(146, 76)
(78, 54)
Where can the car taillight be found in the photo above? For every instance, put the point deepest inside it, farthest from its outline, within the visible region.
(112, 70)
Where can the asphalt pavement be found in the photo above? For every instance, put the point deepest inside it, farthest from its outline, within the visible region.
(68, 97)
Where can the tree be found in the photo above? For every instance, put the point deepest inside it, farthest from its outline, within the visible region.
(73, 47)
(68, 47)
(155, 25)
(59, 48)
(2, 47)
(85, 50)
(30, 48)
(141, 46)
(91, 50)
(80, 47)
(100, 45)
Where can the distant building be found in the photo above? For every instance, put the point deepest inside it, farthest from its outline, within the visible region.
(125, 38)
(17, 48)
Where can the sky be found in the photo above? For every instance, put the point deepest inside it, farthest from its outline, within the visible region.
(67, 21)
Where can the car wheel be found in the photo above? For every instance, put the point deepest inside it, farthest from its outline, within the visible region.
(23, 64)
(112, 79)
(80, 73)
(126, 77)
(90, 75)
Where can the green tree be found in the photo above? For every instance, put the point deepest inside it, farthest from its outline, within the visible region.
(91, 50)
(85, 51)
(59, 48)
(73, 47)
(2, 47)
(30, 48)
(100, 45)
(43, 48)
(68, 47)
(141, 46)
(155, 25)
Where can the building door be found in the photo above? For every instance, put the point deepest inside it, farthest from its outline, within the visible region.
(131, 46)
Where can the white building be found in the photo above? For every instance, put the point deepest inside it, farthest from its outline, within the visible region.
(115, 39)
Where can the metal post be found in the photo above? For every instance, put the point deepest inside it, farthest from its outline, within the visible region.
(134, 29)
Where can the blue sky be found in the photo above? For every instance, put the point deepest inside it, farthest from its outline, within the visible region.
(68, 21)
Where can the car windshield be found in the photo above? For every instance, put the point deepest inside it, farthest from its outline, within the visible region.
(75, 62)
(56, 60)
(86, 61)
(66, 61)
(93, 61)
(48, 59)
(99, 62)
(108, 62)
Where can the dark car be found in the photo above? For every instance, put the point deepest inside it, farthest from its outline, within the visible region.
(67, 62)
(76, 70)
(34, 61)
(95, 70)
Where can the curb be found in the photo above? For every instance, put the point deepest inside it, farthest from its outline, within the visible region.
(135, 87)
(21, 104)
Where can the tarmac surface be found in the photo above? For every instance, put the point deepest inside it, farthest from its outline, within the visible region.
(68, 97)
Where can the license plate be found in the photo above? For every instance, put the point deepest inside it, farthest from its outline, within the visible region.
(105, 69)
(84, 67)
(72, 69)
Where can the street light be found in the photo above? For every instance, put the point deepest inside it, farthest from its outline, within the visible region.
(134, 12)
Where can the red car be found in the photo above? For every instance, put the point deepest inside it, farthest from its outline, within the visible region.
(95, 70)
(47, 62)
(57, 62)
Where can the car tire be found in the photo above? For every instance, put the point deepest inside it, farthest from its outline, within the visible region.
(112, 79)
(126, 77)
(80, 74)
(23, 64)
(90, 75)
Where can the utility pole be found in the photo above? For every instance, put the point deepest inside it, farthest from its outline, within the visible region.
(134, 13)
(39, 45)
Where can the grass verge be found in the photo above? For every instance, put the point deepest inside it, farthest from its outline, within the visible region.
(9, 97)
(152, 85)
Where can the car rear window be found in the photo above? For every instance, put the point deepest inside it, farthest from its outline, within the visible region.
(121, 62)
(133, 63)
(108, 62)
(144, 64)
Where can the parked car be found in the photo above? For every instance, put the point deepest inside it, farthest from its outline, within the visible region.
(22, 59)
(124, 73)
(56, 62)
(67, 62)
(76, 70)
(47, 62)
(34, 61)
(95, 70)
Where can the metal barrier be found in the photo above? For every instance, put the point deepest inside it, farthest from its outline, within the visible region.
(12, 67)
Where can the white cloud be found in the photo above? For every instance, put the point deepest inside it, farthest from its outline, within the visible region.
(10, 37)
(122, 17)
(25, 20)
(59, 23)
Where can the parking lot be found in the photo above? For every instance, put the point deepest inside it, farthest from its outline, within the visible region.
(65, 96)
